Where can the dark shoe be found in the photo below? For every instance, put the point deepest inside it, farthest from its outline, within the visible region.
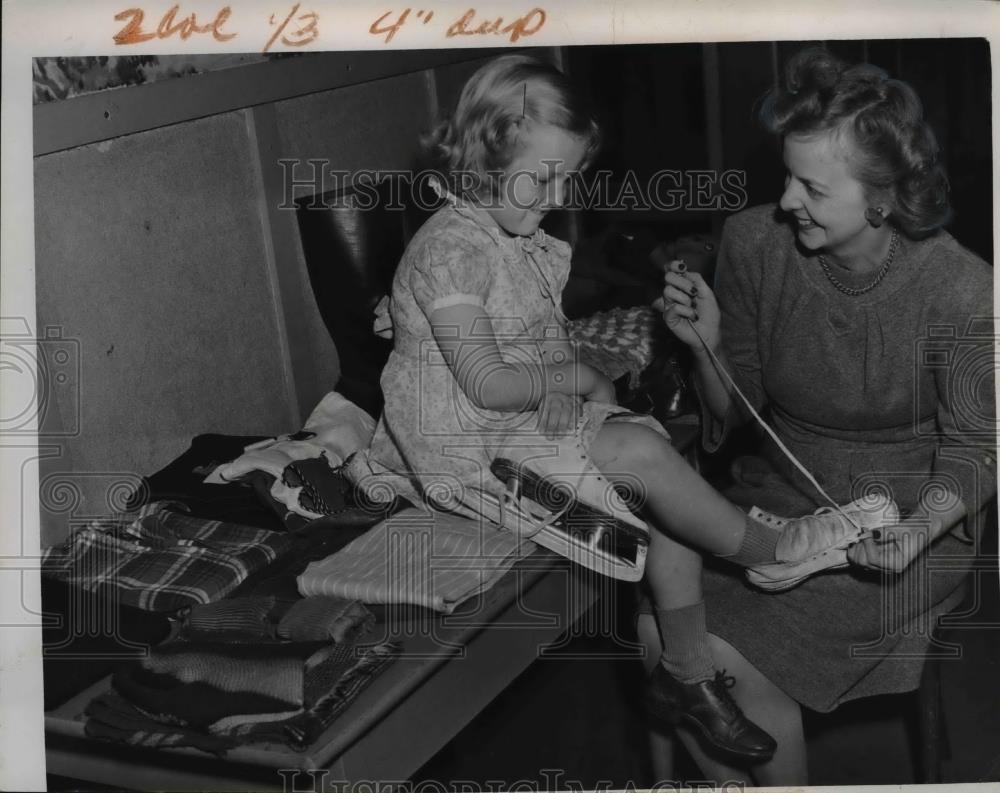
(709, 708)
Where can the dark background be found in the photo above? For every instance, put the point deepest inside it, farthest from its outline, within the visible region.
(657, 105)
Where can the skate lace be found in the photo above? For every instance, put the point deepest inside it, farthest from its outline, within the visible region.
(773, 435)
(511, 499)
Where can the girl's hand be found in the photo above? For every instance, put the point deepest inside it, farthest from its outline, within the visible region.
(895, 549)
(603, 390)
(686, 296)
(557, 414)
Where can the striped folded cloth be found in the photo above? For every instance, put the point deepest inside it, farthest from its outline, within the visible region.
(159, 559)
(425, 558)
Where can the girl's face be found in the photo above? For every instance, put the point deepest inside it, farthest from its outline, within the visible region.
(826, 201)
(535, 181)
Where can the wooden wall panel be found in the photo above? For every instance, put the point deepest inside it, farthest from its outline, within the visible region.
(150, 251)
(374, 125)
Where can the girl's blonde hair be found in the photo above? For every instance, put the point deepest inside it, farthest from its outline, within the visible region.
(499, 102)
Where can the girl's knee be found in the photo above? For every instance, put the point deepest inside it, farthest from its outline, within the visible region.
(634, 448)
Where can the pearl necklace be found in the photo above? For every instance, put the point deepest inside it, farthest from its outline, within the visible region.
(882, 271)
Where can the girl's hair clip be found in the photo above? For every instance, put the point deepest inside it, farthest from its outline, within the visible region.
(524, 97)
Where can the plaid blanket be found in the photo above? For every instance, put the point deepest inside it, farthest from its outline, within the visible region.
(159, 559)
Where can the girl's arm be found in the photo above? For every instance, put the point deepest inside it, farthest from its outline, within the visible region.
(465, 336)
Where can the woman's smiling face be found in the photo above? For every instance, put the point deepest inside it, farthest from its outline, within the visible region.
(827, 203)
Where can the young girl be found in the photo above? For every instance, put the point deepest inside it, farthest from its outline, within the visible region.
(481, 363)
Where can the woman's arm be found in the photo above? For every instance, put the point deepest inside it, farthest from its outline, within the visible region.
(958, 356)
(465, 336)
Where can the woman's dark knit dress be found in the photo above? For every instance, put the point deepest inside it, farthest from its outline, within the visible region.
(893, 389)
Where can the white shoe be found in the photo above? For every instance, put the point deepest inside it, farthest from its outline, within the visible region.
(820, 541)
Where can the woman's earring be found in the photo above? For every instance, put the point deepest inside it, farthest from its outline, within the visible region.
(875, 216)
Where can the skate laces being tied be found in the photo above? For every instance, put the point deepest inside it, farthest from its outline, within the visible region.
(772, 434)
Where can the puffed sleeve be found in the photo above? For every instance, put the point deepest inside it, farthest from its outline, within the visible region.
(451, 270)
(737, 289)
(960, 356)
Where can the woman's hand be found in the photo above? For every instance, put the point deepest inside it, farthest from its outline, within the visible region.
(557, 414)
(686, 297)
(938, 511)
(895, 548)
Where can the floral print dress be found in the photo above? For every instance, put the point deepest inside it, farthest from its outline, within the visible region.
(432, 442)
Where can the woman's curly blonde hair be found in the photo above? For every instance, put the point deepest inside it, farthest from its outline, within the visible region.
(894, 153)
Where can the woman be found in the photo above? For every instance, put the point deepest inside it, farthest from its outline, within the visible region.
(866, 333)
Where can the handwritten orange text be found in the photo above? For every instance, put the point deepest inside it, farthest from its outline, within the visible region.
(133, 33)
(304, 31)
(380, 26)
(391, 23)
(526, 25)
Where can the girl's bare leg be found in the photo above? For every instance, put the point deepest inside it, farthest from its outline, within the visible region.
(679, 500)
(771, 708)
(684, 685)
(662, 743)
(762, 701)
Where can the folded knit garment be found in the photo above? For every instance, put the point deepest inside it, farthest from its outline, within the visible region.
(325, 617)
(332, 678)
(432, 559)
(159, 559)
(196, 684)
(266, 618)
(235, 619)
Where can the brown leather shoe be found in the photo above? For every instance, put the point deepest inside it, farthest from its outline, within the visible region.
(710, 709)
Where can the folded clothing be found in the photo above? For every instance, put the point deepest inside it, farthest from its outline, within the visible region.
(327, 681)
(159, 559)
(195, 684)
(325, 617)
(183, 479)
(334, 430)
(236, 619)
(432, 559)
(265, 618)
